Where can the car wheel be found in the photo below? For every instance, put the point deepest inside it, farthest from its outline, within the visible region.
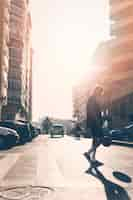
(2, 143)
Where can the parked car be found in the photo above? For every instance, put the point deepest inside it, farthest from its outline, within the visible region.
(123, 134)
(30, 128)
(57, 129)
(118, 134)
(8, 137)
(128, 130)
(22, 129)
(34, 130)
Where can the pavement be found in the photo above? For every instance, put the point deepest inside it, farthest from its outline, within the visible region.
(59, 166)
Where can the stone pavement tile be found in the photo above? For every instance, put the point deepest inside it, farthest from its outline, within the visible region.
(6, 163)
(92, 193)
(78, 194)
(23, 172)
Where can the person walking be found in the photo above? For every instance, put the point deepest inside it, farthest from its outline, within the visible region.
(77, 130)
(94, 122)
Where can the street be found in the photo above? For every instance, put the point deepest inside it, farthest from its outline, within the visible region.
(59, 165)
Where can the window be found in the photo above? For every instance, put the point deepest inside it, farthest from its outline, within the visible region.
(14, 84)
(16, 52)
(16, 10)
(19, 3)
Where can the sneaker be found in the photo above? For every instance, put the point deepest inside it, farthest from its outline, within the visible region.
(86, 154)
(88, 171)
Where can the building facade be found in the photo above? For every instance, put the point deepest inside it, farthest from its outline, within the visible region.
(19, 62)
(120, 62)
(116, 55)
(4, 51)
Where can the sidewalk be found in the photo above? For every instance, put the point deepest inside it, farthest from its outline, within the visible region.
(60, 164)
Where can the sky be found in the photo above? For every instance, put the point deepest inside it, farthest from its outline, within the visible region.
(65, 34)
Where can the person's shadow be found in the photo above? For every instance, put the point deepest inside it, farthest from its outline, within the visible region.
(113, 191)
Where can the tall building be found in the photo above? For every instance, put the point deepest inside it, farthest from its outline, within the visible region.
(120, 61)
(117, 55)
(121, 16)
(20, 62)
(28, 72)
(4, 53)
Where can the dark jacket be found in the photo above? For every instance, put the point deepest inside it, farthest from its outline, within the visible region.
(93, 113)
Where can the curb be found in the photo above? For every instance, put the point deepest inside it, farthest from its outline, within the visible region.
(123, 143)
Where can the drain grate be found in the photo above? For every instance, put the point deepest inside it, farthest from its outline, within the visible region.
(25, 193)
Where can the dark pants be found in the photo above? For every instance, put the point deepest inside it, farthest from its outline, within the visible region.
(97, 134)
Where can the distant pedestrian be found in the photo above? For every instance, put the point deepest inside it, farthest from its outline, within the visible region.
(77, 130)
(94, 122)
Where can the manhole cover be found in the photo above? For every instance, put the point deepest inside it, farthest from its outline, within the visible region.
(25, 193)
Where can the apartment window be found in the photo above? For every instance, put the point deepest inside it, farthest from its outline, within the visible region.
(16, 10)
(17, 28)
(6, 15)
(16, 23)
(18, 20)
(16, 43)
(15, 62)
(14, 84)
(15, 74)
(15, 52)
(18, 3)
(14, 99)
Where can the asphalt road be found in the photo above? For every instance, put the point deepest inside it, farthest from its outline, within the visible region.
(59, 166)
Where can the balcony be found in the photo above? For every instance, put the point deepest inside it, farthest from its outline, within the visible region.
(5, 50)
(3, 96)
(4, 61)
(4, 78)
(6, 15)
(6, 31)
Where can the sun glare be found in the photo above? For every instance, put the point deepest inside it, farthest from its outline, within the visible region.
(65, 35)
